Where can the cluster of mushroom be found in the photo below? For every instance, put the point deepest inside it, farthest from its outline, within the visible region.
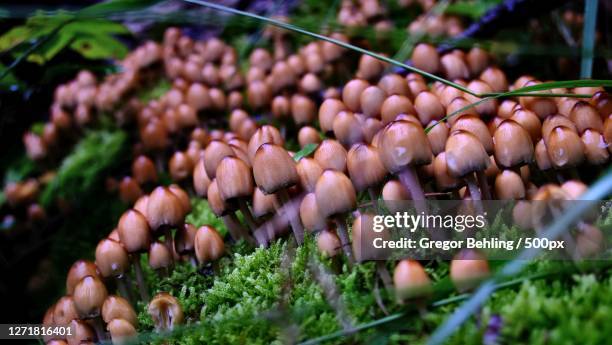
(87, 302)
(363, 13)
(21, 197)
(372, 138)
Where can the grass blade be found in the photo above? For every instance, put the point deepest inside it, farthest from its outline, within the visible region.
(598, 191)
(588, 38)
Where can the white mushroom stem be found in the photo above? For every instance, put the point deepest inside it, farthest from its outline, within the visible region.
(409, 178)
(345, 241)
(291, 212)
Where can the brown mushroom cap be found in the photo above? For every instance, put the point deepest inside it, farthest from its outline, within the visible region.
(465, 154)
(201, 181)
(428, 107)
(371, 101)
(402, 144)
(303, 109)
(64, 311)
(180, 166)
(331, 155)
(395, 105)
(309, 171)
(217, 205)
(335, 193)
(554, 121)
(454, 67)
(364, 166)
(328, 243)
(595, 147)
(263, 204)
(477, 127)
(444, 180)
(485, 108)
(121, 331)
(327, 113)
(159, 256)
(209, 245)
(111, 258)
(166, 311)
(565, 148)
(369, 67)
(351, 94)
(437, 136)
(234, 179)
(394, 84)
(541, 156)
(143, 170)
(164, 208)
(347, 128)
(214, 153)
(89, 295)
(513, 145)
(310, 214)
(509, 186)
(274, 169)
(184, 239)
(116, 307)
(530, 122)
(411, 280)
(134, 231)
(371, 126)
(264, 134)
(81, 333)
(496, 78)
(585, 116)
(468, 269)
(79, 270)
(426, 58)
(308, 135)
(393, 194)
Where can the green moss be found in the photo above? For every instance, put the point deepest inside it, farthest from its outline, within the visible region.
(201, 214)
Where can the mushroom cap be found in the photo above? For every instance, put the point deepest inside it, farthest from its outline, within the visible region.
(402, 144)
(468, 269)
(143, 170)
(395, 105)
(351, 94)
(331, 155)
(111, 258)
(184, 239)
(444, 180)
(134, 231)
(428, 107)
(159, 256)
(79, 270)
(585, 116)
(265, 134)
(364, 166)
(117, 307)
(335, 193)
(465, 154)
(437, 136)
(509, 186)
(513, 145)
(209, 245)
(81, 333)
(328, 243)
(129, 190)
(394, 84)
(309, 171)
(182, 196)
(166, 311)
(263, 203)
(496, 78)
(565, 148)
(214, 153)
(371, 101)
(303, 109)
(477, 127)
(411, 280)
(426, 58)
(164, 208)
(310, 214)
(274, 169)
(201, 181)
(327, 113)
(64, 311)
(347, 128)
(121, 331)
(529, 121)
(234, 179)
(308, 135)
(595, 147)
(89, 295)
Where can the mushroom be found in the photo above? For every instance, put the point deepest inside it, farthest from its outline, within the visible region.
(121, 331)
(274, 171)
(513, 146)
(509, 186)
(89, 296)
(365, 169)
(308, 135)
(135, 235)
(160, 258)
(143, 170)
(331, 155)
(112, 261)
(363, 245)
(465, 155)
(64, 311)
(467, 269)
(79, 270)
(116, 307)
(404, 146)
(184, 241)
(410, 281)
(335, 197)
(565, 148)
(80, 333)
(328, 243)
(166, 211)
(209, 246)
(166, 312)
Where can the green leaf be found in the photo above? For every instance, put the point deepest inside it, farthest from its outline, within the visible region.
(116, 6)
(93, 46)
(305, 151)
(588, 38)
(15, 36)
(95, 26)
(51, 47)
(562, 84)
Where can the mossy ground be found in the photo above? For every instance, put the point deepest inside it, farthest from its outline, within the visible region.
(273, 296)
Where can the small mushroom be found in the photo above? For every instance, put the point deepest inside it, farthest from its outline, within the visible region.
(166, 312)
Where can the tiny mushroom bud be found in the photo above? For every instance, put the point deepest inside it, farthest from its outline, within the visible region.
(89, 295)
(209, 245)
(331, 155)
(364, 167)
(351, 94)
(116, 307)
(121, 331)
(111, 258)
(396, 105)
(308, 135)
(328, 243)
(509, 186)
(565, 148)
(428, 107)
(426, 58)
(79, 270)
(347, 128)
(327, 113)
(513, 145)
(371, 101)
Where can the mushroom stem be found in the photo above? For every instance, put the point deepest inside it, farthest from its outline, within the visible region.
(484, 185)
(344, 239)
(124, 291)
(409, 178)
(290, 212)
(144, 294)
(374, 198)
(384, 275)
(233, 226)
(193, 260)
(248, 216)
(473, 187)
(98, 326)
(168, 241)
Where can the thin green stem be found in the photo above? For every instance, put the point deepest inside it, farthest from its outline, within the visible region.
(588, 38)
